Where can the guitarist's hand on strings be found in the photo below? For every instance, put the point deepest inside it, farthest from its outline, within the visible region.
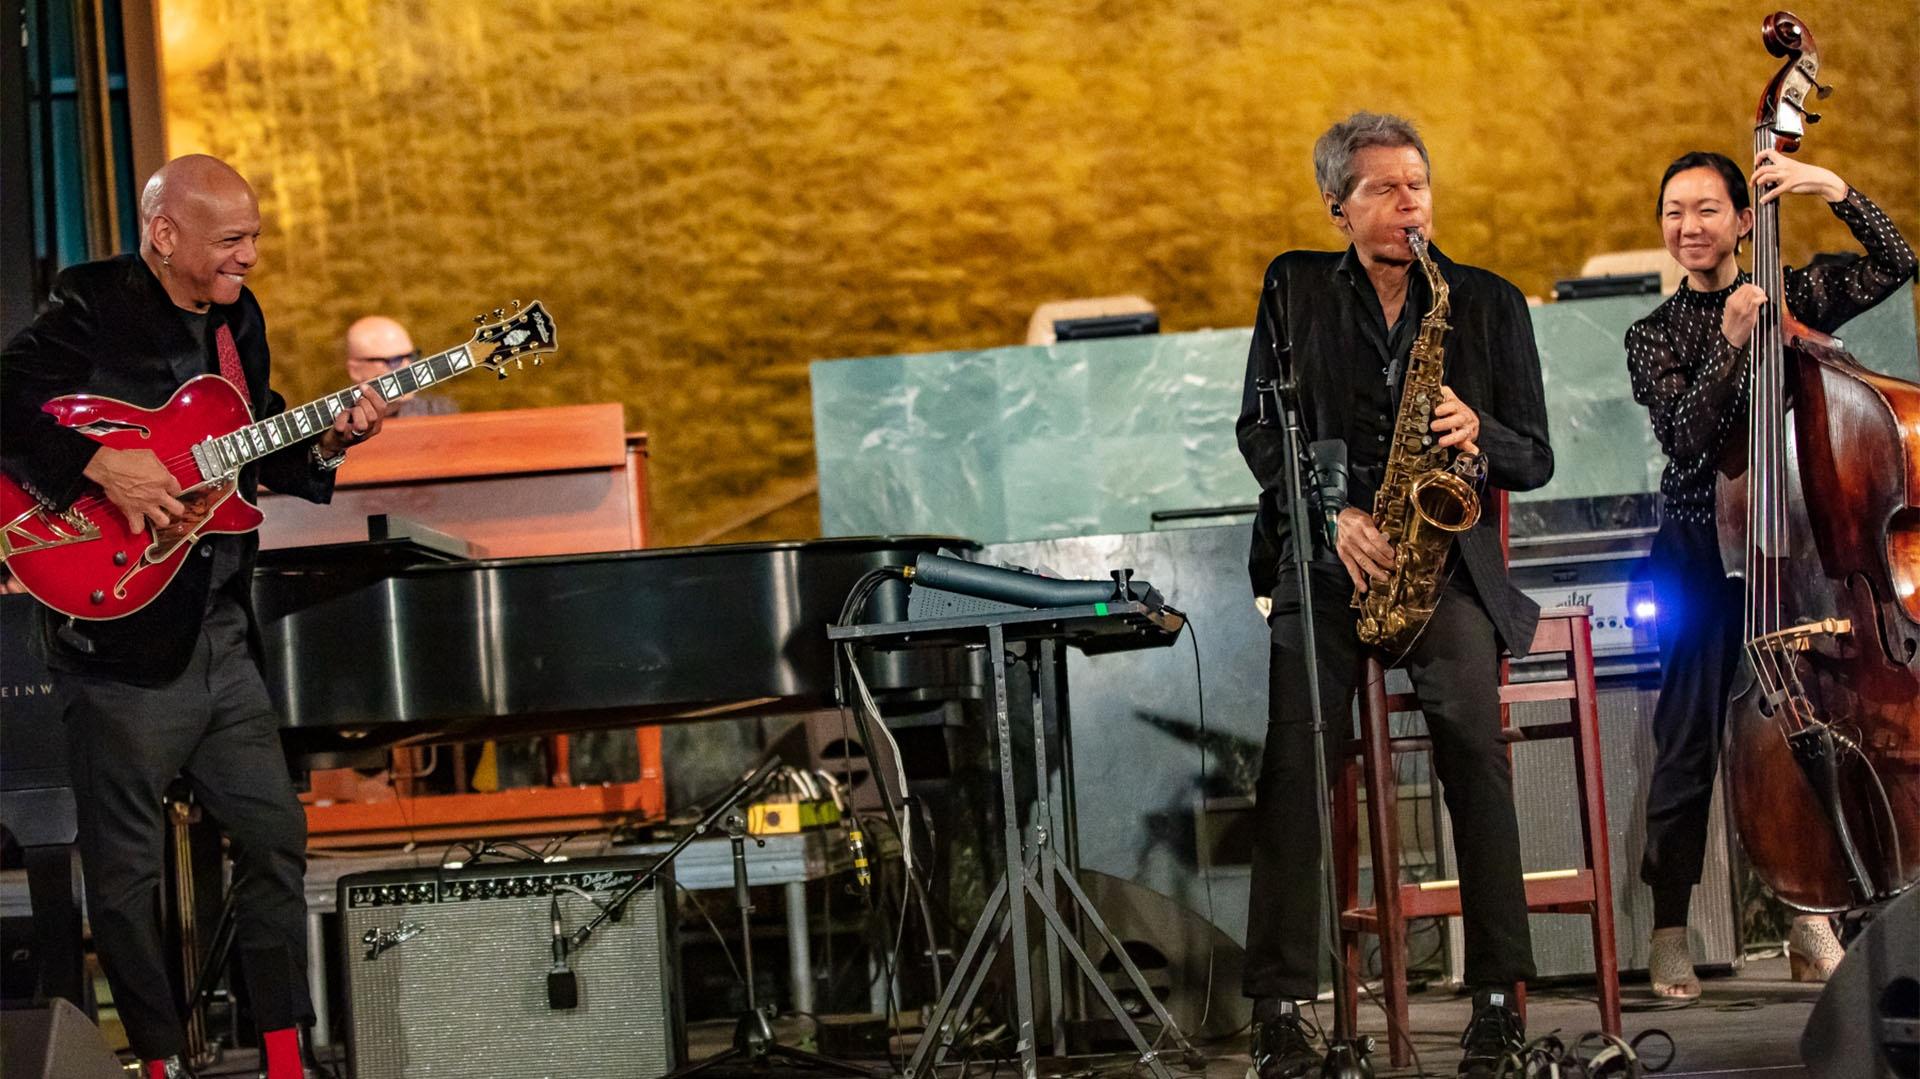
(138, 485)
(357, 424)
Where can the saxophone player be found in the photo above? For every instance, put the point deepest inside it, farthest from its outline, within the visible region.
(1350, 320)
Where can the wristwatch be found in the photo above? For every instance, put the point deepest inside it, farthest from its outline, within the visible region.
(325, 463)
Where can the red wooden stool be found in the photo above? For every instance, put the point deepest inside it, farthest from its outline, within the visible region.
(1564, 633)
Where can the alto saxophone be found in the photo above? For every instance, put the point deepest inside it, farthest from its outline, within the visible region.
(1427, 495)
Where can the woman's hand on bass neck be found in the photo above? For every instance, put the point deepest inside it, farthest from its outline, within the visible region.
(1775, 174)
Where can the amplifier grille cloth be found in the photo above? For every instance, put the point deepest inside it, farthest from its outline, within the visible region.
(467, 996)
(1544, 786)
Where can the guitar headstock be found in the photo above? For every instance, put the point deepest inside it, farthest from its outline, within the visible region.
(1783, 114)
(511, 336)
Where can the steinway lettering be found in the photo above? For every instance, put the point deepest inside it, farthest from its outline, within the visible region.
(25, 689)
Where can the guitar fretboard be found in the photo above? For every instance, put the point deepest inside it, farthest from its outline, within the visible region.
(229, 453)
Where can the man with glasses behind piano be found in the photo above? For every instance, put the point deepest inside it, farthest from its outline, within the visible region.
(376, 346)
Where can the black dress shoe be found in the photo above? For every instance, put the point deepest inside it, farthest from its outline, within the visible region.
(1494, 1037)
(1282, 1049)
(171, 1068)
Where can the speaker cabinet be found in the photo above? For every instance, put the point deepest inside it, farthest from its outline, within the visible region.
(446, 973)
(54, 1042)
(1543, 793)
(1867, 1024)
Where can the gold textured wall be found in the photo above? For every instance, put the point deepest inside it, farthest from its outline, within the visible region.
(710, 193)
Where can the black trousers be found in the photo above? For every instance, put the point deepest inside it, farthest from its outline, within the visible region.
(1455, 671)
(216, 726)
(1700, 621)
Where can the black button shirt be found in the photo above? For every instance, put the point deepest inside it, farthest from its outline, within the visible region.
(1377, 400)
(1321, 305)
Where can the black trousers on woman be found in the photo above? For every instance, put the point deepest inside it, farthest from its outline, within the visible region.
(1455, 671)
(1700, 621)
(125, 744)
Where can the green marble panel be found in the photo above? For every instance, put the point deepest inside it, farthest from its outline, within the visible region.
(1091, 438)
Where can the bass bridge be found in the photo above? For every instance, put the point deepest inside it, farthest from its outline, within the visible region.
(1773, 654)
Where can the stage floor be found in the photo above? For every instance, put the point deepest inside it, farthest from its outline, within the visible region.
(1745, 1026)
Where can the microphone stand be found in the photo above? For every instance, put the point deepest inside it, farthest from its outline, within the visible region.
(1347, 1053)
(754, 1043)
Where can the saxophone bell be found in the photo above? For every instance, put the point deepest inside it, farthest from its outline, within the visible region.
(1444, 501)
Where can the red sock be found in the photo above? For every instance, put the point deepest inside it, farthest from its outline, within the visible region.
(154, 1069)
(282, 1048)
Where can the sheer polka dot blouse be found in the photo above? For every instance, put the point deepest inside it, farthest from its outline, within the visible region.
(1693, 381)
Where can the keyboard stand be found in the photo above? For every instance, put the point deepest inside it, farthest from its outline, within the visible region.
(1034, 871)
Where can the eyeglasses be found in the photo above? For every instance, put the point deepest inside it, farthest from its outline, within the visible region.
(392, 363)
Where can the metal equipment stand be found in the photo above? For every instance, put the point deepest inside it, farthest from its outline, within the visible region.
(1033, 869)
(754, 1044)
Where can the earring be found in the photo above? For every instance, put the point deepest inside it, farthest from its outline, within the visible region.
(167, 261)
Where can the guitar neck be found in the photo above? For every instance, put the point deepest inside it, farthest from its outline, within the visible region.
(296, 425)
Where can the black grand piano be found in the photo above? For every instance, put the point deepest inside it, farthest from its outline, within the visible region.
(392, 642)
(383, 643)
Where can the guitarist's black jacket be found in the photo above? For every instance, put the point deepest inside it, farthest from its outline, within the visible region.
(112, 330)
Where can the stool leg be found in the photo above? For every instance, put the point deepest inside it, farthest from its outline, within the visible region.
(1383, 820)
(1593, 824)
(1346, 848)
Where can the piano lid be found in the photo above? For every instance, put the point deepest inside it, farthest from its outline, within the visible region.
(432, 651)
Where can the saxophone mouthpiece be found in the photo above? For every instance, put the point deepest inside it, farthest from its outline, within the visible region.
(1415, 240)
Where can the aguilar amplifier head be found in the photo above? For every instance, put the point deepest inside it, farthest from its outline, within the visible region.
(446, 973)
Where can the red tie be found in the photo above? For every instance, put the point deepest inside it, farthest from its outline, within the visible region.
(230, 361)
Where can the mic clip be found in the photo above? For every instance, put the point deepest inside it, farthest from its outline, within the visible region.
(1266, 402)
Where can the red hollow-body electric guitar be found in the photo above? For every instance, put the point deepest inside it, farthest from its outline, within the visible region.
(85, 562)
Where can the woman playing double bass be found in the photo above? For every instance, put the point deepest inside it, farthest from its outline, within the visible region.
(1688, 361)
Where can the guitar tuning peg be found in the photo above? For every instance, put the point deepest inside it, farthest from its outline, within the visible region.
(499, 312)
(479, 319)
(516, 305)
(502, 372)
(519, 364)
(536, 361)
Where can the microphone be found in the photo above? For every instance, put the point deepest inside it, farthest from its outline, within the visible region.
(1019, 587)
(1327, 481)
(563, 989)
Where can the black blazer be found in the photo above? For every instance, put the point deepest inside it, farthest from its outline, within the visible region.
(112, 330)
(1327, 311)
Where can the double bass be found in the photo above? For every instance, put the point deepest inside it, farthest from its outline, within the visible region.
(1822, 520)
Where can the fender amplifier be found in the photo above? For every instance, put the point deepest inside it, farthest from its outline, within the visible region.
(446, 973)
